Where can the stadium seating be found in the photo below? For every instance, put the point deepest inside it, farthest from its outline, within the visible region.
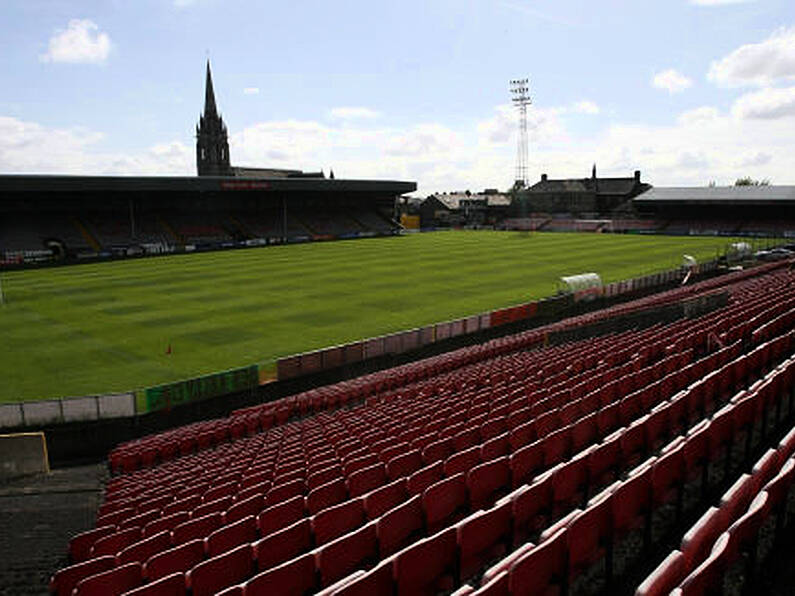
(494, 469)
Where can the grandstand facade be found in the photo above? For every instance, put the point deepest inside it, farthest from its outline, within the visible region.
(44, 218)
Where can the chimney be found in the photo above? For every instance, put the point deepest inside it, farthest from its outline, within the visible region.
(637, 176)
(543, 177)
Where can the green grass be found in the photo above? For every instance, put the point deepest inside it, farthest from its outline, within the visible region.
(90, 329)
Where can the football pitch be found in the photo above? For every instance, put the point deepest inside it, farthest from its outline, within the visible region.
(107, 327)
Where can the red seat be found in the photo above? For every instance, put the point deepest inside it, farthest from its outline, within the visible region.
(231, 535)
(584, 433)
(483, 537)
(180, 558)
(326, 495)
(557, 446)
(338, 520)
(542, 570)
(347, 553)
(665, 577)
(532, 508)
(170, 585)
(366, 479)
(216, 506)
(282, 492)
(698, 540)
(196, 528)
(428, 566)
(438, 450)
(462, 462)
(466, 439)
(80, 544)
(589, 535)
(495, 447)
(113, 543)
(445, 502)
(278, 547)
(487, 481)
(209, 576)
(404, 464)
(569, 484)
(382, 499)
(604, 463)
(374, 582)
(424, 477)
(296, 576)
(169, 522)
(631, 504)
(64, 580)
(493, 427)
(280, 516)
(143, 549)
(327, 474)
(522, 435)
(707, 578)
(111, 582)
(250, 506)
(526, 463)
(399, 525)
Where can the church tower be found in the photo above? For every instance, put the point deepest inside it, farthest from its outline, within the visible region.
(212, 144)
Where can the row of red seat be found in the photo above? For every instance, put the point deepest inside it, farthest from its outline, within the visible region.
(507, 412)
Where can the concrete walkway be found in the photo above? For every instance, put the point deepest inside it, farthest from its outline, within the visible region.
(38, 515)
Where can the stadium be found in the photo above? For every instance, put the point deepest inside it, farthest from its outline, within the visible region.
(270, 381)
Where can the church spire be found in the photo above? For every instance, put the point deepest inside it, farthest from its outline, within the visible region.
(209, 95)
(212, 143)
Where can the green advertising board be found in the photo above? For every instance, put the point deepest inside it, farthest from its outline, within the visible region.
(181, 392)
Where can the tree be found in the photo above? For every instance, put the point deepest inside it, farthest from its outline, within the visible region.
(748, 181)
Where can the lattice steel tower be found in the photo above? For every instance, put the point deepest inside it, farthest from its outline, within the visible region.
(520, 96)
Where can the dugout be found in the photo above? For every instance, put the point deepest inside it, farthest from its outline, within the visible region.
(583, 287)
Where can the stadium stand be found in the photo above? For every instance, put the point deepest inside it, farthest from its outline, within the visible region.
(511, 467)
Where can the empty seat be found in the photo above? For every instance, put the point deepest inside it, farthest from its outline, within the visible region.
(209, 576)
(231, 535)
(526, 463)
(196, 528)
(245, 507)
(366, 479)
(487, 481)
(80, 544)
(542, 568)
(178, 559)
(281, 515)
(462, 462)
(326, 495)
(113, 543)
(665, 577)
(143, 549)
(483, 537)
(111, 582)
(64, 580)
(347, 553)
(168, 522)
(404, 464)
(445, 502)
(382, 499)
(398, 526)
(424, 477)
(438, 450)
(170, 585)
(296, 576)
(278, 547)
(428, 566)
(338, 520)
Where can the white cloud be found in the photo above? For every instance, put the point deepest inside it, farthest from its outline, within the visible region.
(31, 148)
(698, 115)
(586, 107)
(184, 3)
(758, 63)
(671, 81)
(767, 104)
(251, 91)
(81, 42)
(353, 113)
(719, 2)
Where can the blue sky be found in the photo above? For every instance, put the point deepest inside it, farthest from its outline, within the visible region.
(688, 91)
